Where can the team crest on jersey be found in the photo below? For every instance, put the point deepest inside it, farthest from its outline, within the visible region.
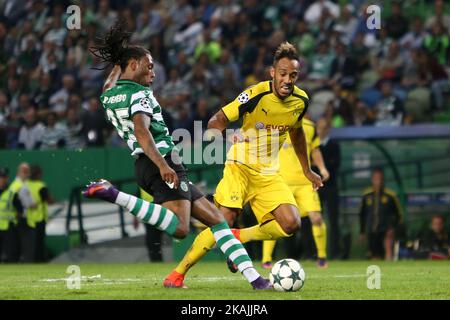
(184, 186)
(145, 103)
(243, 97)
(259, 125)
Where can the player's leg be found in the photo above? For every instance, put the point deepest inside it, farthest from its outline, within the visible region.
(269, 245)
(154, 214)
(274, 207)
(219, 230)
(233, 249)
(309, 202)
(389, 238)
(202, 244)
(319, 231)
(267, 253)
(182, 210)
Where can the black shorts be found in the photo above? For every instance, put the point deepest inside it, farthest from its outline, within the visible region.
(149, 179)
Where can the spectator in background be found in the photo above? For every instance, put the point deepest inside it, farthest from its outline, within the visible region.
(397, 23)
(175, 86)
(55, 133)
(208, 46)
(431, 73)
(25, 233)
(389, 111)
(320, 66)
(58, 101)
(329, 193)
(37, 217)
(105, 16)
(187, 37)
(9, 249)
(346, 25)
(94, 124)
(380, 215)
(390, 64)
(74, 127)
(434, 243)
(414, 38)
(4, 114)
(439, 16)
(41, 95)
(438, 43)
(201, 114)
(315, 10)
(30, 135)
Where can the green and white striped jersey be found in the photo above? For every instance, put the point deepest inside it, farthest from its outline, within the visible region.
(128, 98)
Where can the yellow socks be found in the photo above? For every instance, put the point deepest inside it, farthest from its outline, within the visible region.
(267, 250)
(200, 247)
(320, 238)
(205, 241)
(268, 231)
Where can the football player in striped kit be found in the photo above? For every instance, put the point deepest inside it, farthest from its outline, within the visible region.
(133, 110)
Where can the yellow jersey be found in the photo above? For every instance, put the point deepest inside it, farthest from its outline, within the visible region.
(266, 121)
(290, 167)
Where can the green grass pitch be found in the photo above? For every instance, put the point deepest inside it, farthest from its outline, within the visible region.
(212, 280)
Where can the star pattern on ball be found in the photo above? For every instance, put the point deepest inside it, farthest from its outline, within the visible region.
(284, 263)
(276, 279)
(294, 276)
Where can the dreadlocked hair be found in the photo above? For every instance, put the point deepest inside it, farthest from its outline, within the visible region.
(114, 48)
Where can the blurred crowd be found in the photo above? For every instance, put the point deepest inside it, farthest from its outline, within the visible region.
(207, 51)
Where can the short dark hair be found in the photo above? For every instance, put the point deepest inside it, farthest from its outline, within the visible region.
(35, 172)
(4, 172)
(285, 50)
(378, 169)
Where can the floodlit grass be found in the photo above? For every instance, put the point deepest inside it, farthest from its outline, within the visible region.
(212, 280)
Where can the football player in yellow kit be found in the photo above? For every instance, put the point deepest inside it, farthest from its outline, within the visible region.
(271, 111)
(306, 197)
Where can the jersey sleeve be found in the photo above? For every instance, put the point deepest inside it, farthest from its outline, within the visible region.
(246, 101)
(231, 110)
(304, 99)
(142, 102)
(315, 143)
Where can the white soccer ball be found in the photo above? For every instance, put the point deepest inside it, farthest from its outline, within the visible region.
(287, 275)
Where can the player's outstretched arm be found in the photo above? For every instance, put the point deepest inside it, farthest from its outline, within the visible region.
(112, 78)
(145, 139)
(299, 143)
(317, 158)
(218, 121)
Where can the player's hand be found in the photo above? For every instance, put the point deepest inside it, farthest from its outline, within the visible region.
(315, 179)
(324, 174)
(169, 176)
(237, 137)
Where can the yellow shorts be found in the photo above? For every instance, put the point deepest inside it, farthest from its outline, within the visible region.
(264, 193)
(306, 198)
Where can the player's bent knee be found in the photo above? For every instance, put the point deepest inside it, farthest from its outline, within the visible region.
(181, 232)
(291, 225)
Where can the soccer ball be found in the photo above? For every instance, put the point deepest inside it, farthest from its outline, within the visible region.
(287, 275)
